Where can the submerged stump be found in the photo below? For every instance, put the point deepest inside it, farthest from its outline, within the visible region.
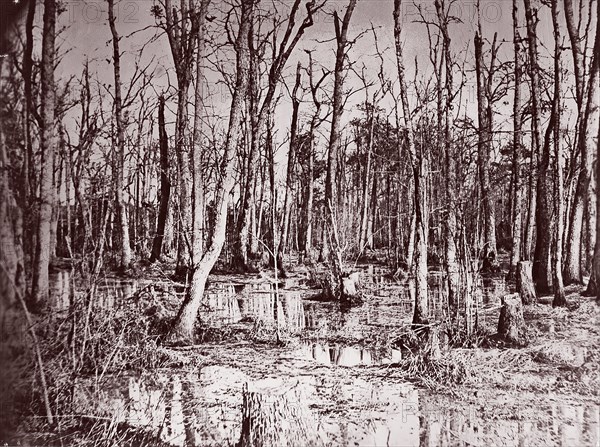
(511, 323)
(345, 288)
(525, 285)
(275, 413)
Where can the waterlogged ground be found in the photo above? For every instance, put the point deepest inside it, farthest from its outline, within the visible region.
(342, 367)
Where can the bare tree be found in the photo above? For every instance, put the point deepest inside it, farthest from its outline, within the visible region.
(39, 287)
(485, 135)
(517, 200)
(183, 326)
(559, 190)
(542, 272)
(165, 182)
(315, 122)
(291, 162)
(198, 203)
(587, 116)
(281, 54)
(332, 201)
(592, 123)
(420, 169)
(181, 26)
(119, 165)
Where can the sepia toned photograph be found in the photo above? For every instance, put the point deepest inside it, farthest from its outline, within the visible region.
(294, 223)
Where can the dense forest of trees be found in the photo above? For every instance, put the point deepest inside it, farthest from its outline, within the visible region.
(301, 157)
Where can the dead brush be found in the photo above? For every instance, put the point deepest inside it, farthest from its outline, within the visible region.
(99, 432)
(496, 364)
(434, 372)
(94, 342)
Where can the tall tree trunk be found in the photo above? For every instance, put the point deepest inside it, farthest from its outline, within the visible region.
(484, 151)
(578, 60)
(314, 124)
(198, 204)
(517, 224)
(39, 287)
(184, 212)
(589, 114)
(363, 241)
(450, 164)
(183, 326)
(291, 162)
(310, 194)
(541, 264)
(12, 272)
(596, 260)
(544, 224)
(28, 186)
(165, 183)
(593, 130)
(420, 173)
(559, 192)
(240, 246)
(373, 209)
(119, 167)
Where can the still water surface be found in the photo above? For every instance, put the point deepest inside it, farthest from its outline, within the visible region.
(344, 406)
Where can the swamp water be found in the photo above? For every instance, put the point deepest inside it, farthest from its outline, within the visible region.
(341, 386)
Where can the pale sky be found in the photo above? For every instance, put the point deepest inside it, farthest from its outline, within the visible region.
(88, 36)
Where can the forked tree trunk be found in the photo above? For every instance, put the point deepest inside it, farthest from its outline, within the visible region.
(183, 327)
(182, 29)
(39, 288)
(332, 199)
(281, 54)
(314, 124)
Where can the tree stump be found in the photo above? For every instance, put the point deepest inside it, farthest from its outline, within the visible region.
(344, 288)
(511, 323)
(525, 286)
(276, 413)
(349, 284)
